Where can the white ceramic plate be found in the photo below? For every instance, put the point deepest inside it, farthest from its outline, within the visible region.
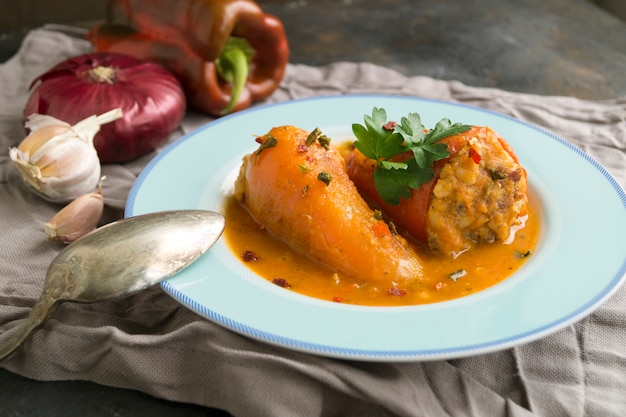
(579, 263)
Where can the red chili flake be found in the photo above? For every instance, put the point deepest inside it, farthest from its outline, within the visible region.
(258, 139)
(281, 282)
(474, 155)
(396, 292)
(439, 285)
(390, 125)
(338, 299)
(381, 229)
(249, 256)
(303, 148)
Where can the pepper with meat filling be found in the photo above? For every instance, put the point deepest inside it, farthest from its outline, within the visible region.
(477, 195)
(226, 53)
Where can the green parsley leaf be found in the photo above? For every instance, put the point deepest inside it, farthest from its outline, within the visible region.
(445, 128)
(393, 183)
(426, 155)
(378, 141)
(390, 186)
(411, 129)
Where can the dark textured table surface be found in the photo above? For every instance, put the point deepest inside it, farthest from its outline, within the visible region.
(556, 47)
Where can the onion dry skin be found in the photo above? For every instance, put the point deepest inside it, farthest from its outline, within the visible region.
(151, 98)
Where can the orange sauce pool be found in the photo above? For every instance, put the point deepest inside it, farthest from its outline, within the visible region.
(273, 260)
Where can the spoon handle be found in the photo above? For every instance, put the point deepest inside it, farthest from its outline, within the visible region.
(42, 309)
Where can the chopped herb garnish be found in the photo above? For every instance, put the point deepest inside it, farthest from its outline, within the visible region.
(378, 215)
(317, 135)
(381, 141)
(325, 177)
(324, 141)
(523, 254)
(269, 142)
(310, 140)
(304, 169)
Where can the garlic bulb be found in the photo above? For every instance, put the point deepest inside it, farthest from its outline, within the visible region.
(78, 218)
(58, 161)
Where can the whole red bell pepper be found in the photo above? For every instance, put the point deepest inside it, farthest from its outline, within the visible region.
(226, 53)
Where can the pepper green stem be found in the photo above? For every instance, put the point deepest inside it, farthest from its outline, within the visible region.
(233, 65)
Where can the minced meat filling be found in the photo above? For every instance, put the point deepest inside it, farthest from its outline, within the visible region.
(481, 193)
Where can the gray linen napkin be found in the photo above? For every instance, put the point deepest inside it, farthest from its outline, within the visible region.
(149, 342)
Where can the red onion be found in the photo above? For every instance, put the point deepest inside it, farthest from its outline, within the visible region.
(151, 98)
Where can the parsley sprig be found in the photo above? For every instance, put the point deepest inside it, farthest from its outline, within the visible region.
(381, 141)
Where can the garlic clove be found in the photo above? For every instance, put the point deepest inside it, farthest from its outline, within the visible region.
(30, 173)
(38, 137)
(65, 158)
(76, 219)
(68, 170)
(58, 161)
(37, 121)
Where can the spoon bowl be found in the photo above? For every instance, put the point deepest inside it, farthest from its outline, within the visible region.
(120, 259)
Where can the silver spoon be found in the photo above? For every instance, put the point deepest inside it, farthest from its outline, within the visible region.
(120, 259)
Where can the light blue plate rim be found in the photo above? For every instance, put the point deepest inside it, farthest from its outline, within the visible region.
(355, 340)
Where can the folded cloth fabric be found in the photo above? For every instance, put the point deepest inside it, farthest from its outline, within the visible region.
(150, 343)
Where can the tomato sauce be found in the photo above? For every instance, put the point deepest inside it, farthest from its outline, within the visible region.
(444, 278)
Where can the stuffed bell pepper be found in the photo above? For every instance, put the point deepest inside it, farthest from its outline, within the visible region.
(473, 189)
